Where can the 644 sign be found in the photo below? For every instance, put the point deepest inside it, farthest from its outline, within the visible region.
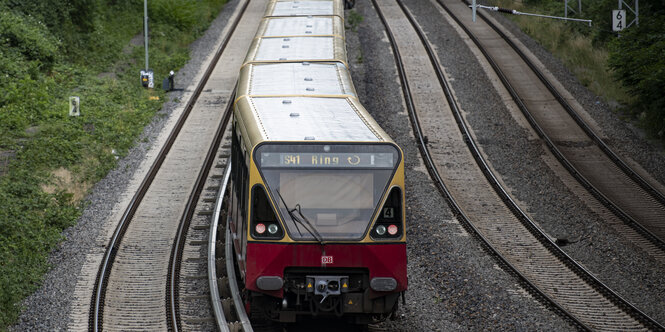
(618, 20)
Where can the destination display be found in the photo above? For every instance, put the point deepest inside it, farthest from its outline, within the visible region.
(313, 160)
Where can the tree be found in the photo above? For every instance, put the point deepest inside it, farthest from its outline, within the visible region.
(638, 59)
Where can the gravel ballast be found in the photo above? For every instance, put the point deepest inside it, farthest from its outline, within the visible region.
(524, 165)
(453, 283)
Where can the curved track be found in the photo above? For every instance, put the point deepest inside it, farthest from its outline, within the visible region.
(570, 139)
(225, 296)
(487, 210)
(127, 291)
(190, 235)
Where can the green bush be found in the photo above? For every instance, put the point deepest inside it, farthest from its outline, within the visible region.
(53, 49)
(59, 15)
(28, 37)
(638, 59)
(30, 224)
(178, 13)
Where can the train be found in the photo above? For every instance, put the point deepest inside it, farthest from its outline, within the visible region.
(316, 192)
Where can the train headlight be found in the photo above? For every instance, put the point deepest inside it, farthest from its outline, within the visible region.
(383, 284)
(392, 229)
(272, 229)
(380, 229)
(260, 228)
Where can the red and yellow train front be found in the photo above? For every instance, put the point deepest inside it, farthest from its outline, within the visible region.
(325, 230)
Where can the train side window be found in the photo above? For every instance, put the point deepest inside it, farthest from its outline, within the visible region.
(234, 160)
(239, 177)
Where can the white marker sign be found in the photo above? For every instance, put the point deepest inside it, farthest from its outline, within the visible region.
(74, 106)
(618, 20)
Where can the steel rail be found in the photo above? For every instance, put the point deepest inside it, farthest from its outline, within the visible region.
(618, 211)
(233, 283)
(532, 226)
(218, 313)
(431, 168)
(656, 194)
(524, 219)
(97, 301)
(173, 275)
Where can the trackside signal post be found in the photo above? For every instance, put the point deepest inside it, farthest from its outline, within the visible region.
(619, 16)
(569, 7)
(147, 76)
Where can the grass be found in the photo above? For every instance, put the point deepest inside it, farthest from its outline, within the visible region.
(588, 62)
(354, 19)
(57, 158)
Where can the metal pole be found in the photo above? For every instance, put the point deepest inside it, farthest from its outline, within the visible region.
(637, 12)
(515, 12)
(145, 33)
(474, 10)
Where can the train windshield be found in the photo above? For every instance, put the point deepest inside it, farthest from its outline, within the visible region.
(336, 188)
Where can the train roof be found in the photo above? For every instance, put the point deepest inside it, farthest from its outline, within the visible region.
(297, 49)
(295, 86)
(295, 78)
(301, 26)
(329, 119)
(305, 8)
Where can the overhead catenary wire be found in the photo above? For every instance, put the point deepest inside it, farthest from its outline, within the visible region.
(515, 12)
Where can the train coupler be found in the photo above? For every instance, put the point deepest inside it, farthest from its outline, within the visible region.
(327, 285)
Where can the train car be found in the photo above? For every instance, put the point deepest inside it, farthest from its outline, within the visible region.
(317, 187)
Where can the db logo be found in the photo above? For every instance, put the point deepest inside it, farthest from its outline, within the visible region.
(326, 259)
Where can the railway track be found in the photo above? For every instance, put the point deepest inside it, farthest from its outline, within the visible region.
(638, 205)
(225, 295)
(137, 285)
(187, 302)
(465, 179)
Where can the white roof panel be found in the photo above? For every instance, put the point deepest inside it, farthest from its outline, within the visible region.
(303, 8)
(309, 118)
(295, 48)
(298, 79)
(294, 26)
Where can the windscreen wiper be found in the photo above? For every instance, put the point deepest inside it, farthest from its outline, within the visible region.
(293, 217)
(316, 233)
(313, 232)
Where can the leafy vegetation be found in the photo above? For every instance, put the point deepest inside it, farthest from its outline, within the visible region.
(629, 69)
(354, 19)
(638, 58)
(50, 50)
